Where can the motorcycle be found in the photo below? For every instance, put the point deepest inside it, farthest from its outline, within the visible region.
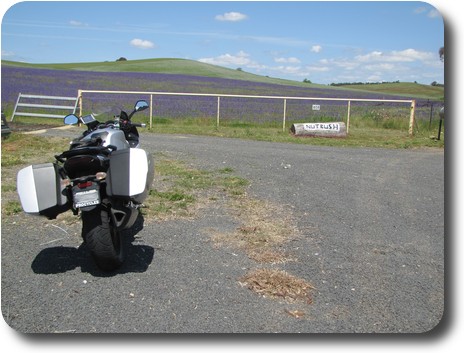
(104, 176)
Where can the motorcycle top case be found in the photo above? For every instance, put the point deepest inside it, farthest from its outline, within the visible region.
(40, 191)
(130, 174)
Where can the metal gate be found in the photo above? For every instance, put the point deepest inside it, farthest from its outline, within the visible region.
(36, 102)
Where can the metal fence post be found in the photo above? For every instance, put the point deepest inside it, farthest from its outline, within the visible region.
(16, 106)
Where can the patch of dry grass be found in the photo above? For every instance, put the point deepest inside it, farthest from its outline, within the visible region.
(265, 228)
(278, 284)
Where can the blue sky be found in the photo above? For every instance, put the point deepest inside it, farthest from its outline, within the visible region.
(324, 41)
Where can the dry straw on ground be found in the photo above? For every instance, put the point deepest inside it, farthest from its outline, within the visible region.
(265, 229)
(278, 284)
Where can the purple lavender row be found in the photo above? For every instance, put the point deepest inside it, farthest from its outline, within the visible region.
(17, 80)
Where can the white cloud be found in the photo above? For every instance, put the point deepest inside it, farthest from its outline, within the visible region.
(434, 14)
(291, 60)
(77, 23)
(318, 68)
(240, 59)
(289, 70)
(420, 10)
(381, 67)
(375, 66)
(374, 78)
(316, 48)
(232, 17)
(142, 44)
(375, 55)
(7, 54)
(407, 55)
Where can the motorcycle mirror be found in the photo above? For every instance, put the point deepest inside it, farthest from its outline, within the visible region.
(71, 119)
(141, 105)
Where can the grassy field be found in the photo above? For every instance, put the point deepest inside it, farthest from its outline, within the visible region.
(403, 88)
(163, 65)
(177, 189)
(196, 68)
(370, 126)
(361, 136)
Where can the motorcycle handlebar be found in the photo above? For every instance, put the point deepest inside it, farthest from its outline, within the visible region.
(138, 124)
(120, 122)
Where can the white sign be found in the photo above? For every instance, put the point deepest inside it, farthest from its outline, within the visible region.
(322, 127)
(316, 107)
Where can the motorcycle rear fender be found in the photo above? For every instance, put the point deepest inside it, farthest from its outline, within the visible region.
(40, 190)
(123, 217)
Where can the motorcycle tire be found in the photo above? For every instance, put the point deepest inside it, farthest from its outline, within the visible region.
(103, 240)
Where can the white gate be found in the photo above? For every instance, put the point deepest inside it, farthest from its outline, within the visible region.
(46, 109)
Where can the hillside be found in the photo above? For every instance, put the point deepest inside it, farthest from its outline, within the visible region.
(402, 88)
(167, 66)
(196, 68)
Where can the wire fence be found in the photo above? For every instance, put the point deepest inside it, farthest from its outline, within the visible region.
(272, 111)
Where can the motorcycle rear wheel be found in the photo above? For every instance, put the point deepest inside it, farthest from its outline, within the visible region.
(102, 238)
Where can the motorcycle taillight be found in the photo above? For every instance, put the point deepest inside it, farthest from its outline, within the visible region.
(84, 185)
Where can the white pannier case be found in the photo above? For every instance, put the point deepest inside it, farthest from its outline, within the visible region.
(130, 174)
(40, 190)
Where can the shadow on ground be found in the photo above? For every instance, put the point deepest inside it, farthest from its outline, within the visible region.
(61, 259)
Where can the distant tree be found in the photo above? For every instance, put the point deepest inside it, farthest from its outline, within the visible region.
(307, 81)
(239, 69)
(122, 59)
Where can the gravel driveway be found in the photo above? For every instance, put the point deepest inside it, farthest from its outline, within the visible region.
(371, 225)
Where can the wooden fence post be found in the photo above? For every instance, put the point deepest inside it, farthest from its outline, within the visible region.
(285, 115)
(411, 118)
(79, 94)
(151, 111)
(348, 118)
(218, 111)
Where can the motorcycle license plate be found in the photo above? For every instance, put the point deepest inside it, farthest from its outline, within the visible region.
(86, 197)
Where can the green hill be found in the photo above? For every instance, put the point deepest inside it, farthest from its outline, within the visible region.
(167, 66)
(402, 89)
(196, 68)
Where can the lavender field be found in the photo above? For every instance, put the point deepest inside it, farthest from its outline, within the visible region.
(17, 80)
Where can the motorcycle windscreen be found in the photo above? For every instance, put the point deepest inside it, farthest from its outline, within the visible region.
(39, 188)
(130, 174)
